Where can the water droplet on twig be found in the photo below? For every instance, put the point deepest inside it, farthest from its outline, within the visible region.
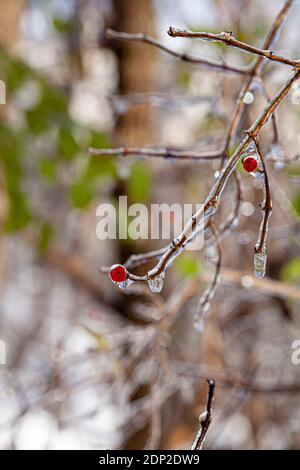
(156, 284)
(248, 98)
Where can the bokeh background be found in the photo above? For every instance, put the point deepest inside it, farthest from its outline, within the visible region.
(90, 367)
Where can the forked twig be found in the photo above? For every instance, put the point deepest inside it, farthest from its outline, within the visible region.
(204, 214)
(205, 418)
(145, 38)
(228, 39)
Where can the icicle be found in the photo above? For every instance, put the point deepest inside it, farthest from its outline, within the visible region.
(260, 262)
(258, 174)
(125, 284)
(156, 284)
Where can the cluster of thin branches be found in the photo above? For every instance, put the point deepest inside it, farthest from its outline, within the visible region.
(204, 218)
(228, 163)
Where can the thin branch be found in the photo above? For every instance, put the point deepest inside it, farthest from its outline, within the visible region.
(274, 115)
(166, 152)
(229, 40)
(205, 418)
(193, 369)
(232, 218)
(137, 260)
(212, 202)
(266, 206)
(256, 71)
(156, 99)
(145, 38)
(208, 295)
(260, 249)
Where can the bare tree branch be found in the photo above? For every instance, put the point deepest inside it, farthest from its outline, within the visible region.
(229, 40)
(167, 153)
(205, 418)
(145, 38)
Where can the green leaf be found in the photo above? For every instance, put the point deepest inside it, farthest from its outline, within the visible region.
(184, 79)
(99, 167)
(18, 213)
(296, 204)
(46, 236)
(48, 170)
(66, 143)
(62, 26)
(139, 183)
(36, 120)
(80, 194)
(188, 266)
(291, 271)
(99, 139)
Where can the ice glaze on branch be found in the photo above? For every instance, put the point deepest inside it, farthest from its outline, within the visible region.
(205, 418)
(145, 38)
(255, 72)
(228, 39)
(212, 202)
(166, 152)
(203, 215)
(260, 249)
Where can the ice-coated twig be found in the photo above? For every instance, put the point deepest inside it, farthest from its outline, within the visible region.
(122, 102)
(138, 259)
(145, 38)
(205, 418)
(212, 201)
(203, 215)
(260, 249)
(274, 115)
(168, 153)
(228, 39)
(255, 72)
(208, 295)
(233, 217)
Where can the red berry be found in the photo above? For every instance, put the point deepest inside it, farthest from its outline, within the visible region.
(249, 164)
(118, 273)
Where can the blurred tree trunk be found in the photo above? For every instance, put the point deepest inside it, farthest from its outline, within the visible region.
(136, 64)
(136, 75)
(136, 69)
(9, 19)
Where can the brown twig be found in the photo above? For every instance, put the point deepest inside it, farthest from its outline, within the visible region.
(212, 202)
(145, 38)
(266, 206)
(207, 296)
(255, 72)
(229, 40)
(167, 153)
(205, 418)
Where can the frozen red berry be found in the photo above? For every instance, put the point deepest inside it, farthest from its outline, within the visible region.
(118, 273)
(249, 164)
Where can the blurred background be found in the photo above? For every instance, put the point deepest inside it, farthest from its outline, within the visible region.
(87, 365)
